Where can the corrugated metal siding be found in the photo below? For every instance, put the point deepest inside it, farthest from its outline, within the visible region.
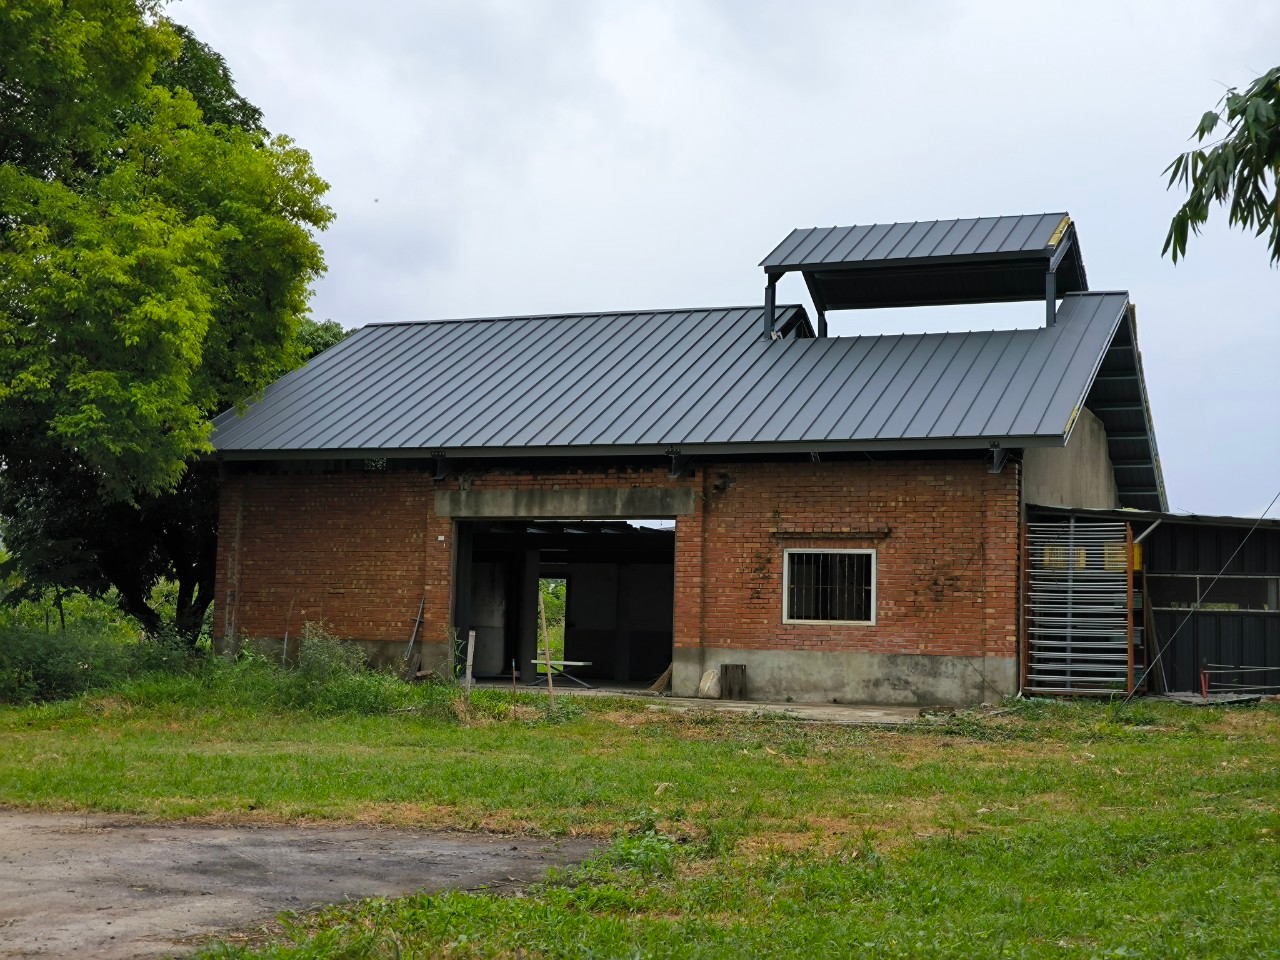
(981, 236)
(1204, 547)
(1232, 637)
(1235, 638)
(674, 378)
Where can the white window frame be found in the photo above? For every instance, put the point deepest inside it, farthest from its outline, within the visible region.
(786, 585)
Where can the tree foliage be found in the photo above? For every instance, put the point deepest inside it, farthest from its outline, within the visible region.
(202, 72)
(1239, 170)
(156, 256)
(554, 597)
(319, 337)
(66, 69)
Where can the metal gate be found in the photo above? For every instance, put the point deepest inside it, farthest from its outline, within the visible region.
(1079, 600)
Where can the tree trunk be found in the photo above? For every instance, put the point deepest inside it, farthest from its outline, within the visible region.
(194, 597)
(136, 606)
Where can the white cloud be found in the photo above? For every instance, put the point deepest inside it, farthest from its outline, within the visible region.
(513, 157)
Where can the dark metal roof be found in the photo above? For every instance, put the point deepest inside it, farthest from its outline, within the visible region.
(1134, 515)
(979, 260)
(926, 239)
(703, 381)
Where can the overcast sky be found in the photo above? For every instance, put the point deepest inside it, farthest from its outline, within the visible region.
(528, 157)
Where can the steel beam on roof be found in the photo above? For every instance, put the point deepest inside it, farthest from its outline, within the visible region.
(770, 304)
(1050, 297)
(1115, 406)
(819, 304)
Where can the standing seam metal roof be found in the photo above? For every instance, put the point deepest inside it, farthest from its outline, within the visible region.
(649, 380)
(1028, 234)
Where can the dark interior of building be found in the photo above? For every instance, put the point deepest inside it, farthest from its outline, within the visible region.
(620, 581)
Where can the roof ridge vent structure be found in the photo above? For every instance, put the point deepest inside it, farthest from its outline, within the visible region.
(931, 263)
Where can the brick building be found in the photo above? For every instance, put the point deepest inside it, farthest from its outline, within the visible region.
(842, 515)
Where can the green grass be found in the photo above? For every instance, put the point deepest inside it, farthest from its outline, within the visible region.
(1058, 830)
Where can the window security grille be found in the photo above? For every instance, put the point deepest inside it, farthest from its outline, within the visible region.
(830, 586)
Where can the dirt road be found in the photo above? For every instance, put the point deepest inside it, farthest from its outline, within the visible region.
(92, 886)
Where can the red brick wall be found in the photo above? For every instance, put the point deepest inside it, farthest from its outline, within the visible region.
(359, 550)
(946, 540)
(351, 550)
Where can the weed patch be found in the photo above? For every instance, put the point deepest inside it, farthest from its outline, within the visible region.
(1030, 830)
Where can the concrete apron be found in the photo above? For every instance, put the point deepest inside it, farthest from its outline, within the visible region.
(847, 714)
(780, 678)
(846, 677)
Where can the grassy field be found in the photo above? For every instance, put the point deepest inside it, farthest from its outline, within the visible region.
(1061, 830)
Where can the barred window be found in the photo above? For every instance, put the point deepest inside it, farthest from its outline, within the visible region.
(829, 586)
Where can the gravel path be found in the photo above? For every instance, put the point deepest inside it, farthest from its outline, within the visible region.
(94, 886)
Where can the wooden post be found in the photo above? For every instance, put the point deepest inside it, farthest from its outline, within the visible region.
(733, 681)
(471, 650)
(1128, 577)
(1024, 633)
(411, 664)
(1151, 644)
(546, 649)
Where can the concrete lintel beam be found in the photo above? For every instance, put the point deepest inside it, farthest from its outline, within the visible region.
(592, 503)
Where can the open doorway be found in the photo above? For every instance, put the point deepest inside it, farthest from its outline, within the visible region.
(608, 588)
(553, 594)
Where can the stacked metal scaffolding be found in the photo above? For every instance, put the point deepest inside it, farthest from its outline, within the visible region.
(1079, 600)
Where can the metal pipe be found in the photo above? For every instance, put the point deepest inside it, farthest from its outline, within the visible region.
(770, 304)
(1143, 535)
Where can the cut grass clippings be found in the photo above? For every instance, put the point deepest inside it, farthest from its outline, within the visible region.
(1062, 830)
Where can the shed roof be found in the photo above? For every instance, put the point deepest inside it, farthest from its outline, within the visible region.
(975, 260)
(1131, 514)
(975, 237)
(702, 381)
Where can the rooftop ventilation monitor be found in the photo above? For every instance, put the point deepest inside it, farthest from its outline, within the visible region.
(932, 263)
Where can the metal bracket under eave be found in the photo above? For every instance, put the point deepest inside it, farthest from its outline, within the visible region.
(442, 464)
(679, 462)
(999, 456)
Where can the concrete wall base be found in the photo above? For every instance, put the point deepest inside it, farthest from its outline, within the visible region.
(816, 676)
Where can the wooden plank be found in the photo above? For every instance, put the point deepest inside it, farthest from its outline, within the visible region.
(410, 663)
(471, 651)
(546, 647)
(733, 681)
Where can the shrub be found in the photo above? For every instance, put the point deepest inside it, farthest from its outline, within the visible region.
(329, 676)
(36, 664)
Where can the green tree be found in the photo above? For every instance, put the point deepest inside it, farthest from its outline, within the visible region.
(319, 337)
(554, 595)
(139, 294)
(1239, 169)
(203, 73)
